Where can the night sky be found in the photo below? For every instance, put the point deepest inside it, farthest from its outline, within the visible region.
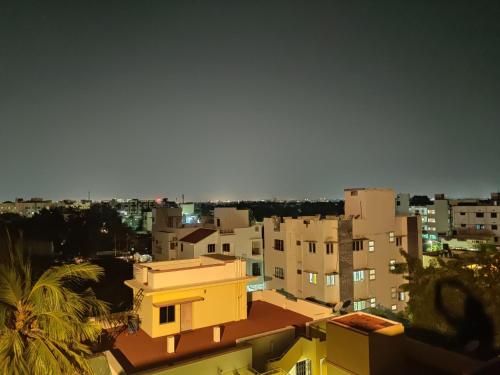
(248, 100)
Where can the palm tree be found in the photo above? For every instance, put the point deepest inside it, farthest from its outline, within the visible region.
(44, 323)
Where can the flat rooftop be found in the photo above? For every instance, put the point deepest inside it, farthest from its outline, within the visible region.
(137, 352)
(363, 322)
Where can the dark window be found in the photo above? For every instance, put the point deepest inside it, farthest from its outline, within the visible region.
(312, 247)
(479, 214)
(218, 222)
(211, 248)
(494, 227)
(399, 241)
(278, 245)
(279, 273)
(329, 247)
(298, 243)
(255, 269)
(463, 225)
(182, 247)
(167, 314)
(226, 247)
(493, 214)
(357, 245)
(462, 213)
(299, 272)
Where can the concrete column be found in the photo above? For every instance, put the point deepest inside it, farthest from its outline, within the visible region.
(217, 334)
(170, 344)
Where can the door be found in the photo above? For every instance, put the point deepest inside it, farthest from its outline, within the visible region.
(186, 316)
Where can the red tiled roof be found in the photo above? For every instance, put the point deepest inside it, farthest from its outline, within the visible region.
(138, 351)
(198, 235)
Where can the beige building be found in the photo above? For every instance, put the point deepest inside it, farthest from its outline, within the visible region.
(478, 220)
(344, 258)
(230, 234)
(25, 207)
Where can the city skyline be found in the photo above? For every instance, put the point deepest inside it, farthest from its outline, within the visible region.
(248, 101)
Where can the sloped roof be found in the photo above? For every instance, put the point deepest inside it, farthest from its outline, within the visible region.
(198, 235)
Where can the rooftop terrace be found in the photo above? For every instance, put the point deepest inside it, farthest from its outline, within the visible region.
(138, 351)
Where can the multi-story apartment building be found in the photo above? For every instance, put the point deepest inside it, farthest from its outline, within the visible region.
(230, 234)
(436, 221)
(477, 220)
(336, 259)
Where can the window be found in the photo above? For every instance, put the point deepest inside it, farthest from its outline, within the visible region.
(226, 247)
(391, 236)
(172, 245)
(392, 264)
(359, 275)
(256, 228)
(493, 215)
(357, 245)
(402, 296)
(373, 302)
(279, 273)
(182, 247)
(211, 248)
(463, 225)
(303, 367)
(462, 213)
(399, 241)
(431, 212)
(330, 280)
(431, 220)
(354, 193)
(167, 314)
(312, 247)
(371, 245)
(255, 269)
(494, 227)
(393, 292)
(299, 272)
(359, 305)
(479, 214)
(278, 245)
(479, 226)
(298, 243)
(372, 274)
(218, 222)
(313, 278)
(394, 307)
(329, 247)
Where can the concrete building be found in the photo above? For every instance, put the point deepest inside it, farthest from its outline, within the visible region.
(196, 317)
(26, 208)
(436, 222)
(477, 220)
(230, 234)
(335, 259)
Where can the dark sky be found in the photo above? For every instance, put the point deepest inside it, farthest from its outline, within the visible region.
(248, 99)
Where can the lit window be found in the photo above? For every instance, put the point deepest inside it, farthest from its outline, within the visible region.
(394, 307)
(480, 226)
(371, 245)
(431, 220)
(391, 236)
(393, 292)
(359, 305)
(313, 278)
(432, 212)
(330, 280)
(372, 274)
(392, 264)
(402, 296)
(359, 275)
(373, 302)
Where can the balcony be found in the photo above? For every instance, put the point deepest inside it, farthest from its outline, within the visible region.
(224, 232)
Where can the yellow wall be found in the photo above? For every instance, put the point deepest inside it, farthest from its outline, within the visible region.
(220, 305)
(302, 349)
(343, 355)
